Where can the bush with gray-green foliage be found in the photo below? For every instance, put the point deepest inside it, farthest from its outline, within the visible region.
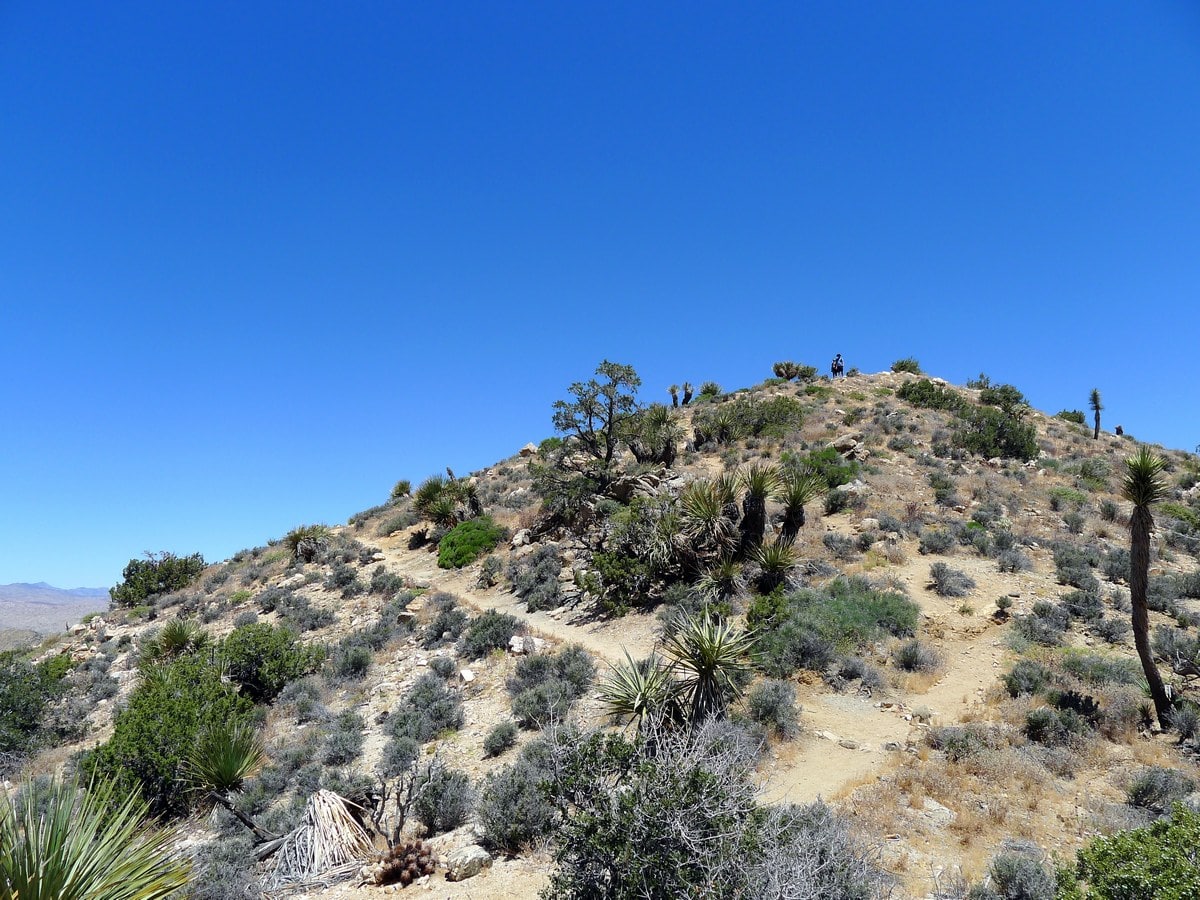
(950, 582)
(914, 656)
(444, 798)
(514, 805)
(502, 737)
(448, 623)
(535, 578)
(426, 710)
(772, 704)
(1156, 789)
(1016, 876)
(544, 686)
(491, 630)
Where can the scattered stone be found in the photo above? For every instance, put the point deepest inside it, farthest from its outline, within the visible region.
(521, 538)
(936, 814)
(467, 863)
(527, 451)
(466, 675)
(847, 744)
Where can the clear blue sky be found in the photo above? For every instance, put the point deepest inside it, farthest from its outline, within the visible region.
(260, 260)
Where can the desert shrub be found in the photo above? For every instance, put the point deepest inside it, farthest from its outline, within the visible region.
(1004, 396)
(302, 698)
(262, 659)
(489, 572)
(385, 583)
(948, 582)
(913, 656)
(25, 694)
(514, 807)
(907, 364)
(855, 668)
(1017, 876)
(406, 518)
(1013, 560)
(827, 464)
(444, 798)
(172, 705)
(398, 756)
(1157, 789)
(961, 742)
(1097, 669)
(1114, 630)
(1071, 415)
(426, 710)
(535, 578)
(448, 623)
(935, 540)
(351, 661)
(544, 686)
(1074, 522)
(1157, 861)
(345, 742)
(636, 816)
(1045, 630)
(297, 611)
(837, 501)
(158, 573)
(443, 667)
(807, 628)
(1084, 605)
(772, 704)
(489, 631)
(1046, 725)
(467, 541)
(1109, 511)
(839, 545)
(991, 432)
(1184, 720)
(943, 488)
(502, 737)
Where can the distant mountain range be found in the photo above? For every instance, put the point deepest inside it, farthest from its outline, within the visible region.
(29, 611)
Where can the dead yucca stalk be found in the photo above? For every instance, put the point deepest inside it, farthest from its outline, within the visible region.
(328, 838)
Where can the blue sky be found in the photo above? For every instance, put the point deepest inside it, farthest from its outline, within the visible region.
(260, 260)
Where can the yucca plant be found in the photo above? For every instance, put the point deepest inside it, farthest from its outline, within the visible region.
(796, 490)
(786, 370)
(723, 580)
(443, 512)
(704, 518)
(175, 639)
(67, 843)
(639, 691)
(711, 662)
(1096, 405)
(1143, 486)
(222, 759)
(430, 490)
(307, 541)
(759, 482)
(687, 394)
(673, 390)
(775, 562)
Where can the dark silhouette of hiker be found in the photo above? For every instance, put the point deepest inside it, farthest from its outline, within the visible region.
(838, 366)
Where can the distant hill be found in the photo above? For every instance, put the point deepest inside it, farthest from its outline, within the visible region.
(31, 610)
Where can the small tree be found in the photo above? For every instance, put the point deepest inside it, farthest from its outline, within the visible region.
(1143, 487)
(600, 411)
(1096, 405)
(158, 573)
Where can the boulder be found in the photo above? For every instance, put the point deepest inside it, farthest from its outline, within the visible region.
(467, 863)
(527, 451)
(521, 538)
(847, 442)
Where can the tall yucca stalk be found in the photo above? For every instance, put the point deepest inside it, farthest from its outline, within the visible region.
(797, 490)
(1144, 486)
(711, 660)
(1096, 405)
(70, 844)
(759, 482)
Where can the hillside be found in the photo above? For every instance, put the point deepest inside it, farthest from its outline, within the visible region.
(949, 621)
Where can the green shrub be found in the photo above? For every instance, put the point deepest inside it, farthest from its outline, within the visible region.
(264, 658)
(1004, 396)
(544, 686)
(501, 738)
(1155, 862)
(913, 656)
(1027, 677)
(170, 708)
(1019, 876)
(489, 631)
(158, 573)
(1071, 415)
(907, 364)
(467, 541)
(25, 692)
(935, 540)
(807, 628)
(826, 463)
(426, 710)
(990, 432)
(401, 488)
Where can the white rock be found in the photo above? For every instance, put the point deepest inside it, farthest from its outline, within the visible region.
(467, 676)
(467, 862)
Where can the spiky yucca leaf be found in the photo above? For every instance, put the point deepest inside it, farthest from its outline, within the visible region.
(429, 490)
(65, 843)
(224, 757)
(797, 489)
(176, 638)
(711, 659)
(760, 480)
(633, 690)
(705, 519)
(723, 580)
(1143, 484)
(774, 560)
